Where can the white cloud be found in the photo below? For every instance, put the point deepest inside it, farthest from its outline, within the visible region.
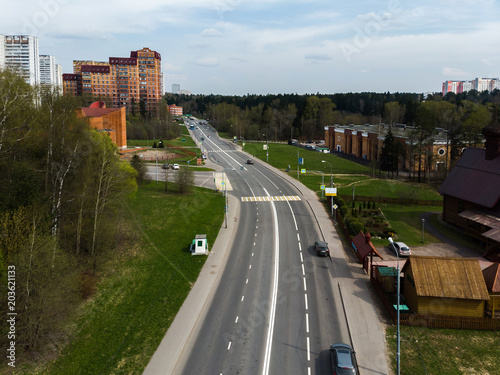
(454, 72)
(208, 61)
(211, 33)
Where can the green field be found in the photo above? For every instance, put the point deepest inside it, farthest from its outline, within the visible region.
(426, 351)
(142, 288)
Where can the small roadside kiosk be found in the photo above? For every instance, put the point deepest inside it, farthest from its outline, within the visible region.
(199, 246)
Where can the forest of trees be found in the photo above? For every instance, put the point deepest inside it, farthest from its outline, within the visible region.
(62, 189)
(284, 116)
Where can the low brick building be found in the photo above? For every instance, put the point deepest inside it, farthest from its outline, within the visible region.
(109, 120)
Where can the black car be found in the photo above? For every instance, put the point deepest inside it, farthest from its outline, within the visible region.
(249, 161)
(321, 248)
(343, 360)
(165, 166)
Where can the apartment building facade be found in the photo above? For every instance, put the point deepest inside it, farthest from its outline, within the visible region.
(21, 52)
(479, 84)
(123, 81)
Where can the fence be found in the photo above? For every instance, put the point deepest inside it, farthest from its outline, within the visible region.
(402, 201)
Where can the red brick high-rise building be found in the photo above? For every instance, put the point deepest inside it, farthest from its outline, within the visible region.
(133, 82)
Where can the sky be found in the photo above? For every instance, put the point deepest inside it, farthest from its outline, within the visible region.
(239, 47)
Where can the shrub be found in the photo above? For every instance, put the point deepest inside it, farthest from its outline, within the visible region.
(353, 226)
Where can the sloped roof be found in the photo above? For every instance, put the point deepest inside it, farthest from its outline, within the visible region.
(363, 248)
(445, 277)
(97, 112)
(474, 179)
(492, 277)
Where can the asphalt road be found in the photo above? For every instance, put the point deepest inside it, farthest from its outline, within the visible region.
(277, 308)
(264, 302)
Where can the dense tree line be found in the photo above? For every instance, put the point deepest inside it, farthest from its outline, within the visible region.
(61, 187)
(285, 116)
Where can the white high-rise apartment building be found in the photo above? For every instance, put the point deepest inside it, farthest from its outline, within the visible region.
(176, 88)
(22, 54)
(2, 52)
(48, 70)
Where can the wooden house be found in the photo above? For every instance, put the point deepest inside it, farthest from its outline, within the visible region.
(444, 286)
(492, 279)
(471, 193)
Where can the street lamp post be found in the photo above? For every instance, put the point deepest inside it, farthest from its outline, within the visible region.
(398, 350)
(331, 182)
(423, 229)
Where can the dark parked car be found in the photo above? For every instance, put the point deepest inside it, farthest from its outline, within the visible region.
(321, 248)
(249, 161)
(343, 360)
(165, 166)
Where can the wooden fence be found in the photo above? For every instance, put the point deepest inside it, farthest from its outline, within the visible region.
(402, 201)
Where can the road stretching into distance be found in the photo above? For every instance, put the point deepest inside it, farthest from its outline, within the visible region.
(277, 308)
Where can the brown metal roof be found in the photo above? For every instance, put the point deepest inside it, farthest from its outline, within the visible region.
(474, 179)
(446, 277)
(484, 219)
(363, 248)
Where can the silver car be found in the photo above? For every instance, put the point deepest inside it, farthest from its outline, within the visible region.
(400, 248)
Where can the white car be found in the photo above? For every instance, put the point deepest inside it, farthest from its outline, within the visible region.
(400, 248)
(175, 166)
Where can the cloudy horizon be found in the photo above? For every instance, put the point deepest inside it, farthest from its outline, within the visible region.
(235, 47)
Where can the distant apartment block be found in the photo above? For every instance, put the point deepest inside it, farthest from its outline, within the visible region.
(176, 88)
(175, 110)
(48, 70)
(2, 52)
(479, 84)
(21, 52)
(125, 81)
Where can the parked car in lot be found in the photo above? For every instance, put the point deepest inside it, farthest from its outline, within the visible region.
(175, 166)
(399, 248)
(343, 359)
(321, 248)
(165, 166)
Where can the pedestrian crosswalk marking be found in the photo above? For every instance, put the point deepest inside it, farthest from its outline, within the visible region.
(280, 198)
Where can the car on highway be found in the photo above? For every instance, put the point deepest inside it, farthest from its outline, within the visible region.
(321, 248)
(249, 161)
(343, 359)
(175, 166)
(400, 248)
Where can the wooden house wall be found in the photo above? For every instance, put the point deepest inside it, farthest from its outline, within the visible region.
(450, 306)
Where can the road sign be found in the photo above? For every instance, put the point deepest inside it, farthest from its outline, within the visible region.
(331, 192)
(222, 183)
(301, 161)
(264, 147)
(335, 206)
(303, 170)
(322, 187)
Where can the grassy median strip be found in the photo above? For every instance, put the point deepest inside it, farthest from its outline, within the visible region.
(119, 330)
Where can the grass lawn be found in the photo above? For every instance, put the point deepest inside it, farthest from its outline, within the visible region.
(445, 351)
(406, 222)
(120, 328)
